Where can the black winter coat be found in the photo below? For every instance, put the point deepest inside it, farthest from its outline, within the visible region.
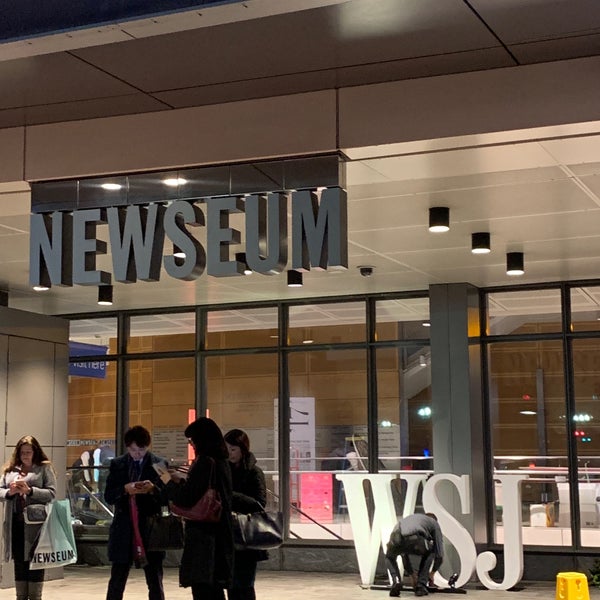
(208, 547)
(249, 494)
(120, 539)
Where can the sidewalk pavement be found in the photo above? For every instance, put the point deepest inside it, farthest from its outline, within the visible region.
(90, 582)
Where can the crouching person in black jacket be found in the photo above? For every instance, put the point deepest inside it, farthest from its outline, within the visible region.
(416, 535)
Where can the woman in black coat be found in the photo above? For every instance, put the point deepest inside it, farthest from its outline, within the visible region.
(249, 495)
(207, 560)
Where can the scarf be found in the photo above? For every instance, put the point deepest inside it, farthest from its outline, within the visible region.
(139, 553)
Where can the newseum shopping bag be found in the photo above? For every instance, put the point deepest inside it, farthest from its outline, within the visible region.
(56, 542)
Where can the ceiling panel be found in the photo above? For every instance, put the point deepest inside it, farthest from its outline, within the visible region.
(567, 47)
(90, 109)
(352, 33)
(54, 78)
(526, 20)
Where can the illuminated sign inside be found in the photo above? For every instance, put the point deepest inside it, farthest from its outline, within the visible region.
(64, 245)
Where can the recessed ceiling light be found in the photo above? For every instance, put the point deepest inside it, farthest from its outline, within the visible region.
(308, 341)
(426, 324)
(174, 181)
(40, 288)
(527, 412)
(111, 186)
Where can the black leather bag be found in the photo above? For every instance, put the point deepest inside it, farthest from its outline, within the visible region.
(34, 514)
(257, 531)
(164, 533)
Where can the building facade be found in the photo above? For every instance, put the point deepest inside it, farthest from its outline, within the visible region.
(417, 354)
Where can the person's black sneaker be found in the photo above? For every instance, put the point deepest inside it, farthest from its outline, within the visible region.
(421, 591)
(396, 589)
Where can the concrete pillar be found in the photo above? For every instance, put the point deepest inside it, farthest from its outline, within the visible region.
(457, 408)
(34, 360)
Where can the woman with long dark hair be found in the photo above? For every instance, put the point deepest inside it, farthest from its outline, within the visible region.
(207, 560)
(27, 478)
(249, 495)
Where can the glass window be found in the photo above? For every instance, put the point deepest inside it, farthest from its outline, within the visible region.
(404, 408)
(586, 429)
(161, 398)
(242, 394)
(93, 336)
(527, 413)
(90, 443)
(585, 309)
(327, 323)
(328, 432)
(242, 328)
(162, 332)
(402, 319)
(522, 312)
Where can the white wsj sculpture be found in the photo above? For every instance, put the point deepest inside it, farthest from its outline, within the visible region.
(368, 538)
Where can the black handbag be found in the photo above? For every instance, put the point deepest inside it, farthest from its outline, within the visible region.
(34, 514)
(165, 532)
(257, 531)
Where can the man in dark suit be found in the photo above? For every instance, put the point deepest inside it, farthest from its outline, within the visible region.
(416, 535)
(131, 487)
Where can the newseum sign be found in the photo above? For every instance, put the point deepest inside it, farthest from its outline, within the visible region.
(64, 245)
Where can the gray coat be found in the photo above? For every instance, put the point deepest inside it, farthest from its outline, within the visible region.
(42, 481)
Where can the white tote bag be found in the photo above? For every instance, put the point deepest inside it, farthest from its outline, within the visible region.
(55, 546)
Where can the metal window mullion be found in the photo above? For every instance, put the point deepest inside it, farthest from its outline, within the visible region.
(372, 429)
(200, 387)
(570, 411)
(122, 385)
(283, 415)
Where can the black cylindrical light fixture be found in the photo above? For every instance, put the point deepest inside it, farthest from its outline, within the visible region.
(105, 295)
(515, 263)
(480, 242)
(294, 279)
(439, 219)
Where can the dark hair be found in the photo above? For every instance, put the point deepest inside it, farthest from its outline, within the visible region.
(39, 456)
(137, 435)
(239, 438)
(207, 438)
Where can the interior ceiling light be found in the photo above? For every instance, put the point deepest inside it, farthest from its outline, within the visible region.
(41, 288)
(105, 295)
(174, 181)
(439, 219)
(480, 242)
(178, 252)
(111, 187)
(294, 279)
(527, 412)
(515, 263)
(241, 258)
(426, 324)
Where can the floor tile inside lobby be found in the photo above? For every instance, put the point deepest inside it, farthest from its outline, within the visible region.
(90, 582)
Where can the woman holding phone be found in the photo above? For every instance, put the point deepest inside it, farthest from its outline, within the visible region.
(27, 478)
